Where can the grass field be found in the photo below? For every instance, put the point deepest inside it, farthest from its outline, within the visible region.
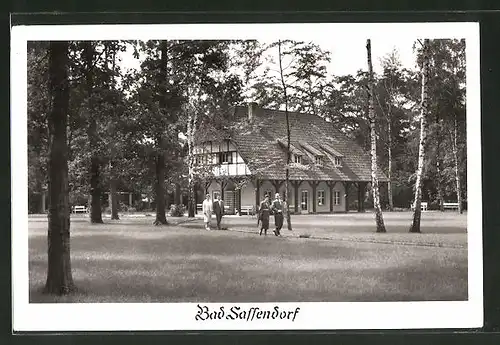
(131, 260)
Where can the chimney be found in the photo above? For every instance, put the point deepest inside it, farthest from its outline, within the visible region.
(252, 110)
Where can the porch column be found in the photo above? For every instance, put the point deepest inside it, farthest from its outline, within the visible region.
(347, 185)
(207, 184)
(277, 185)
(238, 196)
(296, 185)
(223, 185)
(257, 193)
(331, 184)
(361, 196)
(314, 185)
(43, 202)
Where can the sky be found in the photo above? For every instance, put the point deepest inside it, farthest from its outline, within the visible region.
(348, 55)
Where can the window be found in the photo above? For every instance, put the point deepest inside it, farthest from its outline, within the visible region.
(319, 160)
(297, 159)
(336, 197)
(338, 161)
(226, 157)
(321, 197)
(200, 159)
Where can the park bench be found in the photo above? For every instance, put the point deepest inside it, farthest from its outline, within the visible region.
(450, 205)
(248, 209)
(423, 206)
(199, 207)
(79, 208)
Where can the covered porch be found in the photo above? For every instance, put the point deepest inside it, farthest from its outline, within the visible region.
(305, 196)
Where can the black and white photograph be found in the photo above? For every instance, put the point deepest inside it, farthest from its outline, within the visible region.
(246, 176)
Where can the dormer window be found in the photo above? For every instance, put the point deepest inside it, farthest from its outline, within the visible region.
(337, 161)
(297, 159)
(319, 160)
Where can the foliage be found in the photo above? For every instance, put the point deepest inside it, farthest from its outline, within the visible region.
(140, 114)
(177, 210)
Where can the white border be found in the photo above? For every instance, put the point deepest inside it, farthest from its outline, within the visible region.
(180, 316)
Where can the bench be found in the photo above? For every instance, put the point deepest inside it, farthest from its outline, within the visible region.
(423, 206)
(248, 209)
(450, 205)
(80, 208)
(199, 207)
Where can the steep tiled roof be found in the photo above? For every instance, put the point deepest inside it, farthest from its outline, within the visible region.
(330, 150)
(262, 144)
(314, 151)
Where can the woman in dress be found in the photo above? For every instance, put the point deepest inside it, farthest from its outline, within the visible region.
(264, 215)
(207, 208)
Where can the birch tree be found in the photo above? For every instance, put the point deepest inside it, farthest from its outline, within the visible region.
(371, 112)
(192, 124)
(288, 158)
(424, 105)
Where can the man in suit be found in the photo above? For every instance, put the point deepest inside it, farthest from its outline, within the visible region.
(277, 210)
(218, 208)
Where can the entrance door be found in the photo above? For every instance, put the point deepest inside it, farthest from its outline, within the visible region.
(304, 201)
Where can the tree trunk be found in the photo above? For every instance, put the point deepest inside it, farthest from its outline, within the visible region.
(59, 277)
(191, 128)
(177, 195)
(455, 158)
(113, 202)
(160, 140)
(439, 185)
(415, 226)
(113, 198)
(288, 158)
(95, 190)
(379, 219)
(160, 190)
(389, 170)
(191, 199)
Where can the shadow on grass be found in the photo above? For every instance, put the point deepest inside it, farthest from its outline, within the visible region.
(181, 266)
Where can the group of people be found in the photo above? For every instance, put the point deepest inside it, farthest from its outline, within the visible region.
(266, 209)
(208, 208)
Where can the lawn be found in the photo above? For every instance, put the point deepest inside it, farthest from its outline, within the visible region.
(343, 260)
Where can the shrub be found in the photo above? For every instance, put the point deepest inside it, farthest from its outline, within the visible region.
(177, 210)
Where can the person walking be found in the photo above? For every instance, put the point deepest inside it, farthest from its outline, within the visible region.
(207, 208)
(263, 216)
(277, 210)
(218, 208)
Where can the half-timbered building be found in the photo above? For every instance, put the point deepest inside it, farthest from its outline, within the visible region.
(326, 166)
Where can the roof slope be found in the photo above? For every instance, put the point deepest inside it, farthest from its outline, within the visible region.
(261, 146)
